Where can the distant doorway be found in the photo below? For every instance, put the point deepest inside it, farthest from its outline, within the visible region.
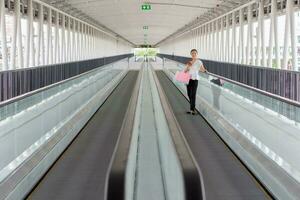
(145, 54)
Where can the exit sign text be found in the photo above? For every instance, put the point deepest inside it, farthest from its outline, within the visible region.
(146, 7)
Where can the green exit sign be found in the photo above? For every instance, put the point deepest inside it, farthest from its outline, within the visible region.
(146, 7)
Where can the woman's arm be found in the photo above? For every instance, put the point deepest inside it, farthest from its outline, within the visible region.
(187, 66)
(203, 69)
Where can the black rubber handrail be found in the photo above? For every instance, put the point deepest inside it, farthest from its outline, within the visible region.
(17, 82)
(271, 95)
(192, 177)
(28, 94)
(116, 180)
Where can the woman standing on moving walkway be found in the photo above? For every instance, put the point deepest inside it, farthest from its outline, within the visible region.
(193, 67)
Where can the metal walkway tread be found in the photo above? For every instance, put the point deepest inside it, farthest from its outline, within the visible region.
(224, 176)
(81, 170)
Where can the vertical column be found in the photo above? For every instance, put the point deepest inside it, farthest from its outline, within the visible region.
(88, 43)
(201, 42)
(78, 40)
(93, 43)
(210, 44)
(213, 40)
(222, 53)
(81, 42)
(286, 36)
(252, 49)
(14, 36)
(40, 46)
(196, 39)
(31, 35)
(218, 49)
(49, 38)
(227, 49)
(212, 31)
(74, 40)
(262, 32)
(208, 41)
(68, 56)
(42, 38)
(191, 40)
(249, 35)
(258, 36)
(63, 38)
(204, 39)
(55, 53)
(242, 46)
(3, 37)
(27, 45)
(271, 36)
(275, 29)
(73, 47)
(291, 12)
(19, 34)
(91, 48)
(233, 48)
(97, 44)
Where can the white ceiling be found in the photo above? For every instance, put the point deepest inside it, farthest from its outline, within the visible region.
(126, 18)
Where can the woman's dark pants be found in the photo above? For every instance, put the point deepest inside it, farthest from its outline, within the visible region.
(192, 91)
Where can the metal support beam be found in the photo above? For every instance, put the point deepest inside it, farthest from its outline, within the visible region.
(274, 16)
(286, 37)
(56, 39)
(233, 46)
(31, 35)
(19, 34)
(14, 38)
(290, 8)
(241, 43)
(249, 36)
(63, 39)
(73, 46)
(68, 56)
(262, 32)
(3, 36)
(227, 39)
(49, 51)
(218, 49)
(40, 47)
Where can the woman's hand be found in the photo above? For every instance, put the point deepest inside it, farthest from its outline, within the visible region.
(187, 66)
(203, 69)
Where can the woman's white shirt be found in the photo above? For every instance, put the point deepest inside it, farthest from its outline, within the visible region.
(194, 69)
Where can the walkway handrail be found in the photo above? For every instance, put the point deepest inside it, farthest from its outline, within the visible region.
(192, 175)
(115, 185)
(280, 98)
(31, 93)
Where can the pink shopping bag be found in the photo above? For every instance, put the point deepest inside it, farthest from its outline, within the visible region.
(182, 77)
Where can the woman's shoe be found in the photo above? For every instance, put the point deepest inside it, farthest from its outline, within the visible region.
(194, 112)
(189, 112)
